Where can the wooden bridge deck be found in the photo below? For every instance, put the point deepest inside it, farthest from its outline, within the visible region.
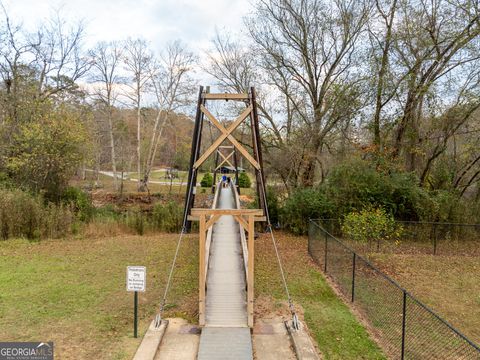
(226, 334)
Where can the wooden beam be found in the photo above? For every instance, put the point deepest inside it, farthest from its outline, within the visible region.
(257, 219)
(225, 132)
(212, 221)
(201, 271)
(230, 137)
(225, 160)
(250, 270)
(242, 221)
(244, 152)
(226, 96)
(206, 212)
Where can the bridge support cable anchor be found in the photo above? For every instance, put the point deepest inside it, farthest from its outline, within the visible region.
(158, 317)
(295, 322)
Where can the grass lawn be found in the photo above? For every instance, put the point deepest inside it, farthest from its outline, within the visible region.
(159, 175)
(130, 187)
(335, 329)
(73, 292)
(448, 284)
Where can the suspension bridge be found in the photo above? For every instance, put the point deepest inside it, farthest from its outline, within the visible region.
(226, 243)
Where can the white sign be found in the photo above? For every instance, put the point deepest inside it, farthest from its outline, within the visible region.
(136, 278)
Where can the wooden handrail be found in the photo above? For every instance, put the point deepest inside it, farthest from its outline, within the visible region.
(208, 240)
(243, 239)
(206, 212)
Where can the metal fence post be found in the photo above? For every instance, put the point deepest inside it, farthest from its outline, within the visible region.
(404, 318)
(434, 239)
(326, 252)
(353, 276)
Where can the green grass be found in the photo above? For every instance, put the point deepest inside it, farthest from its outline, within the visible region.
(159, 175)
(73, 292)
(337, 332)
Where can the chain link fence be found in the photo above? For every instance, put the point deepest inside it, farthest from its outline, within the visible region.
(419, 238)
(404, 326)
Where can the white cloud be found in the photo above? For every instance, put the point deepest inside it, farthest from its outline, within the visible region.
(158, 21)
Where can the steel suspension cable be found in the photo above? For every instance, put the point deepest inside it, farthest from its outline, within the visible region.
(284, 280)
(158, 318)
(295, 322)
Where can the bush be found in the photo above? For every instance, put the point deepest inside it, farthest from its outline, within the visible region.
(47, 151)
(80, 202)
(244, 181)
(371, 224)
(302, 205)
(25, 215)
(274, 205)
(167, 217)
(106, 212)
(207, 180)
(135, 220)
(356, 184)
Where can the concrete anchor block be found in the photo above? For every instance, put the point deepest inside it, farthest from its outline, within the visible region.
(151, 341)
(302, 344)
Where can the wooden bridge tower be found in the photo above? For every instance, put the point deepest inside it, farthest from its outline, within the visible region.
(225, 141)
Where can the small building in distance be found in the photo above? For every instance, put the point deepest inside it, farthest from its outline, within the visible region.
(230, 169)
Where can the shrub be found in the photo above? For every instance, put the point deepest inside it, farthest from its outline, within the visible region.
(370, 224)
(26, 215)
(356, 184)
(106, 212)
(167, 217)
(57, 221)
(47, 151)
(274, 205)
(302, 205)
(135, 220)
(244, 181)
(207, 180)
(80, 202)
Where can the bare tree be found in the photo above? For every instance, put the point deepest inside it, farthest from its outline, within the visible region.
(381, 31)
(172, 86)
(59, 58)
(138, 61)
(236, 66)
(52, 57)
(308, 46)
(434, 39)
(14, 47)
(105, 82)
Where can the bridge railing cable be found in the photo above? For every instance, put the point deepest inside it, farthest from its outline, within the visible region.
(158, 318)
(295, 321)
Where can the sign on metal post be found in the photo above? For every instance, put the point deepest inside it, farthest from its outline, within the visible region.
(136, 278)
(136, 281)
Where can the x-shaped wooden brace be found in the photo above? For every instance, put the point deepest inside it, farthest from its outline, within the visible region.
(226, 134)
(225, 160)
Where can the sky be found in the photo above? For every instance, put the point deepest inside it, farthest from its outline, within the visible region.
(157, 21)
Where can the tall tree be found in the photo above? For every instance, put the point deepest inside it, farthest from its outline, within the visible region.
(172, 87)
(434, 39)
(381, 31)
(106, 80)
(138, 61)
(309, 47)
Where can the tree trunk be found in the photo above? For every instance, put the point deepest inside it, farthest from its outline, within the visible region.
(112, 149)
(156, 135)
(139, 169)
